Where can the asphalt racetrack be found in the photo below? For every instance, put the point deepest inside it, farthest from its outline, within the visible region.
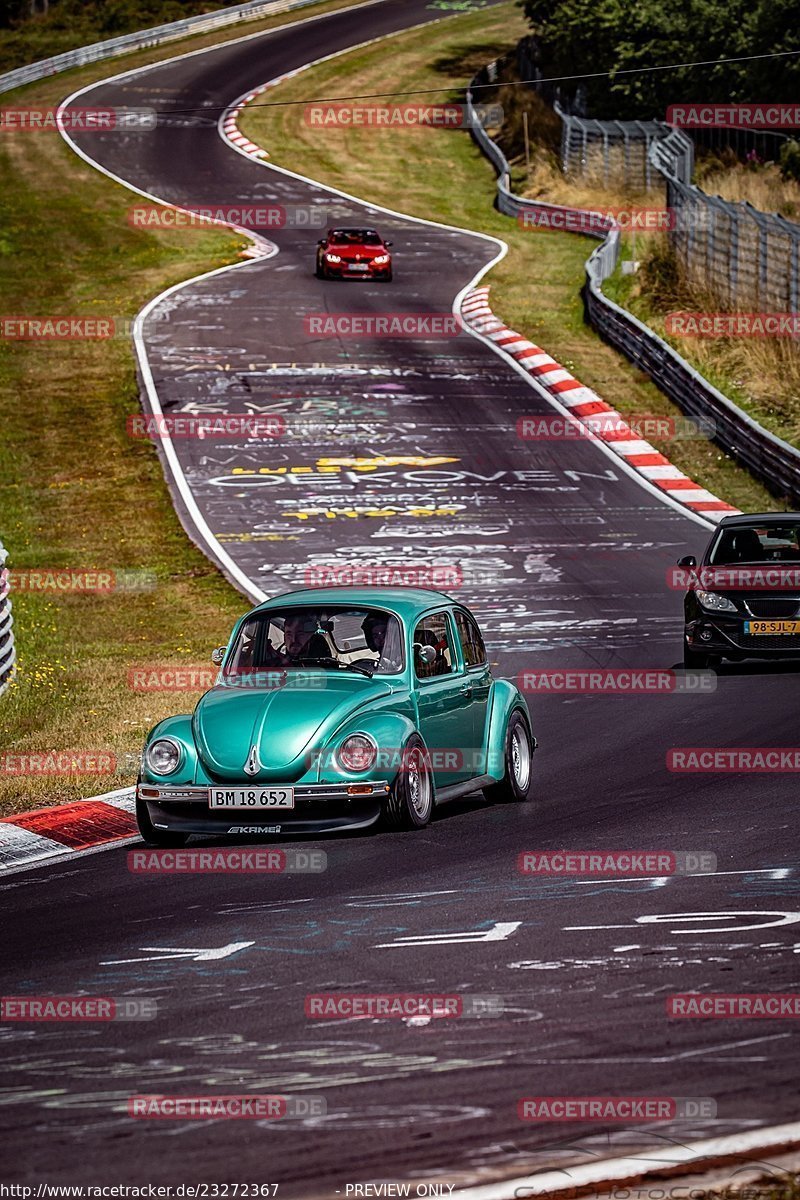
(409, 454)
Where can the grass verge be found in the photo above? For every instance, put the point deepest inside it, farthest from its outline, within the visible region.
(75, 490)
(442, 175)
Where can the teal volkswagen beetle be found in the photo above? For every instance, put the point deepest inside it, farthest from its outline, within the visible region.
(337, 707)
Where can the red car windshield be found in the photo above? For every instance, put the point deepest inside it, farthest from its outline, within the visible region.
(354, 237)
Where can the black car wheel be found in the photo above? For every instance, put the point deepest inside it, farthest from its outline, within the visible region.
(388, 277)
(516, 782)
(409, 805)
(153, 836)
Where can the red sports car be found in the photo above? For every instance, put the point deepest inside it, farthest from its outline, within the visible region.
(353, 254)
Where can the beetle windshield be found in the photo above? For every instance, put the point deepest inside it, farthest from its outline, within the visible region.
(303, 638)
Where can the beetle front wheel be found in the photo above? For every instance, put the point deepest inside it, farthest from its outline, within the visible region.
(519, 748)
(409, 805)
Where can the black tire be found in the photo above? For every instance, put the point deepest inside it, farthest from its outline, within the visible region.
(699, 660)
(388, 277)
(153, 836)
(516, 782)
(410, 803)
(319, 270)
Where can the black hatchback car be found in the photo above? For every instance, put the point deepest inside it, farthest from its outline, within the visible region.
(743, 598)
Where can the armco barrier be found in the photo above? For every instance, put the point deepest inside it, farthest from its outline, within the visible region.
(8, 653)
(768, 457)
(112, 47)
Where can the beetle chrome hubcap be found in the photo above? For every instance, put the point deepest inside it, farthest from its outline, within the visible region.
(419, 784)
(520, 758)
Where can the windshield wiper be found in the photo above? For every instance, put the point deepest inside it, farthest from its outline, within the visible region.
(362, 668)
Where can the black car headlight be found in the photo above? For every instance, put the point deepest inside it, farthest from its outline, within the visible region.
(714, 602)
(163, 756)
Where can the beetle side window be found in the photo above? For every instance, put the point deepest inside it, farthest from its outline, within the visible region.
(471, 641)
(432, 633)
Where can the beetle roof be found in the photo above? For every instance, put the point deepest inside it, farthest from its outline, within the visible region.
(405, 601)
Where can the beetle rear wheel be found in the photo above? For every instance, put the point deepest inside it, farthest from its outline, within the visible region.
(516, 781)
(409, 805)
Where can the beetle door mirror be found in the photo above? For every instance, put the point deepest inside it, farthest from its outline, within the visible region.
(426, 654)
(217, 655)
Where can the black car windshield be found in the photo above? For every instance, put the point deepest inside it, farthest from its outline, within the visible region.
(334, 637)
(360, 237)
(769, 543)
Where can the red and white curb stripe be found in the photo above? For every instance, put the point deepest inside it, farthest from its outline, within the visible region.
(65, 829)
(230, 121)
(591, 410)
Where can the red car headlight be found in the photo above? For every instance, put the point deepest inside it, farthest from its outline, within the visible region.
(380, 259)
(357, 752)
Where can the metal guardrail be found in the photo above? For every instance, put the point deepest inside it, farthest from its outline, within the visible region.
(8, 652)
(146, 38)
(771, 459)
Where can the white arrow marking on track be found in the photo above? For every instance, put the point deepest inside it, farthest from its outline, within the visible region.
(498, 933)
(162, 953)
(783, 918)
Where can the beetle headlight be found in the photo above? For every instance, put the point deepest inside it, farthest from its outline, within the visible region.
(715, 602)
(357, 752)
(163, 756)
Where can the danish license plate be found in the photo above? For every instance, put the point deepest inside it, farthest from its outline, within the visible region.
(250, 798)
(771, 627)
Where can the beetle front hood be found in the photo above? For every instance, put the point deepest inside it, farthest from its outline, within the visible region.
(285, 725)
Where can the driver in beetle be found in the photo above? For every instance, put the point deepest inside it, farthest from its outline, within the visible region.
(302, 639)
